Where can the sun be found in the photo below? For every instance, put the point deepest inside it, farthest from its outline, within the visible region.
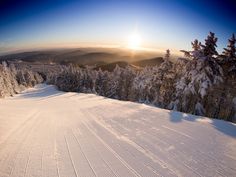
(134, 41)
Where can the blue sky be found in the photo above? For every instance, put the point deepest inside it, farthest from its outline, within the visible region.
(160, 23)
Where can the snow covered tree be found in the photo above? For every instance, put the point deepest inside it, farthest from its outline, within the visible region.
(113, 83)
(209, 49)
(195, 82)
(187, 54)
(197, 52)
(13, 80)
(101, 82)
(196, 45)
(125, 82)
(229, 53)
(228, 58)
(195, 78)
(142, 84)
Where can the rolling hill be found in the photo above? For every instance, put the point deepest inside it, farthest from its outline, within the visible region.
(84, 56)
(148, 62)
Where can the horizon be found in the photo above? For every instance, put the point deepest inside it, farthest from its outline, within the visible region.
(103, 48)
(128, 24)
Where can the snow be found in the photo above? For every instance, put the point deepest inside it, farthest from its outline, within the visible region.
(45, 132)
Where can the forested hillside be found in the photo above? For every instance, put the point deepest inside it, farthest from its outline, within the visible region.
(201, 83)
(13, 80)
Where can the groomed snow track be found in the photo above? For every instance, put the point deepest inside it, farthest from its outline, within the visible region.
(48, 133)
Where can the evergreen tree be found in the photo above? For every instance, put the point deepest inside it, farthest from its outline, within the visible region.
(142, 83)
(100, 82)
(196, 45)
(197, 52)
(124, 82)
(209, 49)
(113, 83)
(230, 52)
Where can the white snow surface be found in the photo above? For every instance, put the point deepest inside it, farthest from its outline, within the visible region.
(48, 133)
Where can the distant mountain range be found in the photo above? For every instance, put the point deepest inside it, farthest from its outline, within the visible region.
(137, 64)
(103, 58)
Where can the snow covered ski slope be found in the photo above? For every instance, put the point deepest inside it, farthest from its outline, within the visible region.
(48, 133)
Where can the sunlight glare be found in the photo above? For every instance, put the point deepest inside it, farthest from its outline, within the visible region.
(134, 41)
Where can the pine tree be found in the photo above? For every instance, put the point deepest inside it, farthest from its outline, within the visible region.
(196, 53)
(230, 52)
(229, 56)
(102, 82)
(113, 83)
(196, 45)
(209, 49)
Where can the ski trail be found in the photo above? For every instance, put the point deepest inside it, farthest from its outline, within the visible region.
(139, 148)
(85, 156)
(72, 162)
(146, 150)
(150, 169)
(56, 134)
(20, 137)
(114, 153)
(103, 160)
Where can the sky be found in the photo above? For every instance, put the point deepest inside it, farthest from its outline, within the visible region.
(160, 24)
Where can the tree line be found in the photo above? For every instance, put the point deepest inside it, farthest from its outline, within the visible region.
(201, 83)
(14, 80)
